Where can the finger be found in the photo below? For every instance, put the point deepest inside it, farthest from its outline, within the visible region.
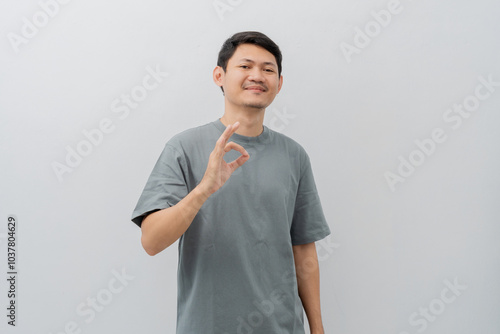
(236, 125)
(221, 142)
(237, 147)
(233, 128)
(238, 162)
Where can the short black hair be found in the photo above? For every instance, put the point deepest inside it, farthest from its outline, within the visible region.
(247, 37)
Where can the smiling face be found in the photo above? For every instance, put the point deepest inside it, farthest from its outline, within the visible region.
(251, 78)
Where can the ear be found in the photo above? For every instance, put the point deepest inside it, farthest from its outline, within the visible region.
(218, 76)
(280, 84)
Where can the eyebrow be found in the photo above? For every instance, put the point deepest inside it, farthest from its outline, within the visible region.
(265, 63)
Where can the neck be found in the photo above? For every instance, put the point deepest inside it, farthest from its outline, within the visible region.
(251, 121)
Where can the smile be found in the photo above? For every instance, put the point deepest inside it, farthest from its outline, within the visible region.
(255, 89)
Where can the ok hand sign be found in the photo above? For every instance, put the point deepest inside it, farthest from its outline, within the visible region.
(218, 171)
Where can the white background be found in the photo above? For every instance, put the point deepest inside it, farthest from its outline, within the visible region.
(355, 115)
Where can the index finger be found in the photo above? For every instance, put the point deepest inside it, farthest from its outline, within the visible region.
(230, 129)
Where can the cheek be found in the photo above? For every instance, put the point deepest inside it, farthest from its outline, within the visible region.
(275, 86)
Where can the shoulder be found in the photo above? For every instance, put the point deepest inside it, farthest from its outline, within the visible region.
(192, 136)
(292, 145)
(296, 153)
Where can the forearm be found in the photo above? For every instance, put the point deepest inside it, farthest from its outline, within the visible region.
(307, 268)
(162, 228)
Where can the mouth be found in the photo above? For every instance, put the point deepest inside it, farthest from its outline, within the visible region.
(255, 89)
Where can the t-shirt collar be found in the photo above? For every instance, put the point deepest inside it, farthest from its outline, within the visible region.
(260, 139)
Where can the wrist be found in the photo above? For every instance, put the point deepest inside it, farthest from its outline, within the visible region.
(201, 191)
(318, 329)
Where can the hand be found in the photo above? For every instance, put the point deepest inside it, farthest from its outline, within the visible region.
(218, 171)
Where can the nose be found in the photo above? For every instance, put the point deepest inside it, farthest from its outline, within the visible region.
(256, 75)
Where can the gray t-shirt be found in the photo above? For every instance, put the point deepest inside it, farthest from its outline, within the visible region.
(236, 269)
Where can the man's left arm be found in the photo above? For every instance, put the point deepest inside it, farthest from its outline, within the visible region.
(307, 270)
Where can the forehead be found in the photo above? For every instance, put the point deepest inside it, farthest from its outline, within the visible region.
(254, 53)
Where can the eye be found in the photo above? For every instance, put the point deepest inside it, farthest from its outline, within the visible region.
(269, 70)
(244, 66)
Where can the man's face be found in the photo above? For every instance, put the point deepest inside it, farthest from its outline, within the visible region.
(251, 78)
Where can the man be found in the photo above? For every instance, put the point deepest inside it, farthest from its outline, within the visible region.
(246, 228)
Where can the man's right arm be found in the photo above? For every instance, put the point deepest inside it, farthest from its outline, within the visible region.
(162, 228)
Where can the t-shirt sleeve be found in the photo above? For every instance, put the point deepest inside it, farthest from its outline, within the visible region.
(308, 222)
(165, 187)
